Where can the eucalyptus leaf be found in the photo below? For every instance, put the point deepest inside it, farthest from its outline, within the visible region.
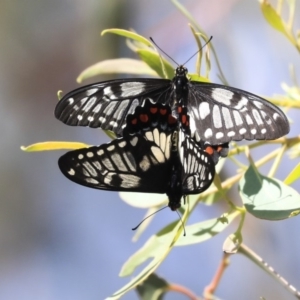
(272, 17)
(144, 200)
(267, 198)
(196, 77)
(128, 34)
(156, 250)
(110, 134)
(116, 66)
(203, 231)
(48, 146)
(293, 176)
(153, 288)
(153, 60)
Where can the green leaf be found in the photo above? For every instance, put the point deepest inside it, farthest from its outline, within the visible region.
(213, 198)
(46, 146)
(116, 66)
(59, 94)
(143, 200)
(153, 288)
(203, 231)
(153, 60)
(196, 77)
(156, 250)
(110, 134)
(272, 17)
(128, 34)
(293, 176)
(267, 198)
(146, 220)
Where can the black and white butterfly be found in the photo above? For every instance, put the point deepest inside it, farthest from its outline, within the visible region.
(218, 113)
(154, 155)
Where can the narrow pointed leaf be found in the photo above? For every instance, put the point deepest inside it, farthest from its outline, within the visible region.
(272, 17)
(128, 34)
(293, 176)
(117, 66)
(152, 59)
(46, 146)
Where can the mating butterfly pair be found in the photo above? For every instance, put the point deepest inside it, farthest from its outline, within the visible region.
(216, 115)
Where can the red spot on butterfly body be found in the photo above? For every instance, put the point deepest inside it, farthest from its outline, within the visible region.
(133, 121)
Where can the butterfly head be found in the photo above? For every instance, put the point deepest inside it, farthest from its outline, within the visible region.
(181, 71)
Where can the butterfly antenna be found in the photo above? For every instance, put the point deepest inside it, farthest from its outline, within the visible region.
(148, 217)
(184, 232)
(198, 51)
(166, 54)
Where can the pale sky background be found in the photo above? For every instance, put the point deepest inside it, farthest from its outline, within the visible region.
(61, 241)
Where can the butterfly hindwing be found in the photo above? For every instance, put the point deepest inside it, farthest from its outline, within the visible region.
(132, 164)
(140, 161)
(198, 167)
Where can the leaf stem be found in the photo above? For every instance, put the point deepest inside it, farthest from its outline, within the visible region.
(243, 249)
(210, 289)
(185, 12)
(183, 290)
(277, 161)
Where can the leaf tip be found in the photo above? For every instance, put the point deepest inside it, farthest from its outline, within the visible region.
(294, 213)
(103, 32)
(59, 94)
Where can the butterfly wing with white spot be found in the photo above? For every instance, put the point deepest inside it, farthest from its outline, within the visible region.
(198, 166)
(133, 164)
(106, 104)
(220, 114)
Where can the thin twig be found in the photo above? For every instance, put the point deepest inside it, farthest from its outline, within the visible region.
(183, 290)
(267, 268)
(210, 289)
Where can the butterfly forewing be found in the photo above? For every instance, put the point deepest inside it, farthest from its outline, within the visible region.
(107, 104)
(220, 114)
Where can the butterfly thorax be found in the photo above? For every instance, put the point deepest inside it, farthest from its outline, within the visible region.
(180, 85)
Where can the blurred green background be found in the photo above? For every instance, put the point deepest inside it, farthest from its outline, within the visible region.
(59, 240)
